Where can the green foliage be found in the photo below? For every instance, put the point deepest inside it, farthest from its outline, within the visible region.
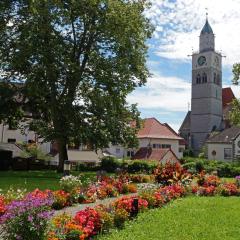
(234, 114)
(78, 61)
(199, 166)
(110, 164)
(142, 166)
(224, 169)
(10, 105)
(236, 73)
(188, 153)
(33, 151)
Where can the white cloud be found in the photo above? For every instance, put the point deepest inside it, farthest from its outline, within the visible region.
(167, 93)
(178, 25)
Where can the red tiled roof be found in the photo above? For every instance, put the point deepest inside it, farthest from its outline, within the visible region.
(152, 128)
(153, 154)
(182, 142)
(227, 96)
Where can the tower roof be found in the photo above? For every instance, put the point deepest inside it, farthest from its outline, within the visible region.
(207, 28)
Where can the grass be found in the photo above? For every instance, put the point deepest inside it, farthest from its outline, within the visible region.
(192, 218)
(31, 180)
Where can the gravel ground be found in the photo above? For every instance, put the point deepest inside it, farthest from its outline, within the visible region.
(74, 209)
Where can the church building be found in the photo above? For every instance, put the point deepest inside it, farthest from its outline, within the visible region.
(208, 108)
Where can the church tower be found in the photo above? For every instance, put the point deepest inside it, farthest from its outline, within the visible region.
(206, 103)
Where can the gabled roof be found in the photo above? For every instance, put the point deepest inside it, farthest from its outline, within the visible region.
(153, 154)
(226, 136)
(227, 96)
(152, 128)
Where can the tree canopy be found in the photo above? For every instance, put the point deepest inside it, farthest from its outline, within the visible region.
(78, 61)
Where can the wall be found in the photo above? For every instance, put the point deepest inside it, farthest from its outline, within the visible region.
(219, 148)
(236, 147)
(118, 154)
(144, 142)
(6, 133)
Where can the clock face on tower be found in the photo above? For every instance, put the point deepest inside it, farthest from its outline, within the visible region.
(201, 60)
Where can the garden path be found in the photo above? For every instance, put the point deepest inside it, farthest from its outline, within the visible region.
(74, 209)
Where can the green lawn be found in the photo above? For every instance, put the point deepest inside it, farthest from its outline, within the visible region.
(192, 218)
(36, 179)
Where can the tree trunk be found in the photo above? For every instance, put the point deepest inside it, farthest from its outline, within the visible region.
(62, 149)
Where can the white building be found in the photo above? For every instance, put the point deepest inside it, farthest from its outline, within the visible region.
(225, 146)
(154, 135)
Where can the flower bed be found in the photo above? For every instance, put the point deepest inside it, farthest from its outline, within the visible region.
(27, 216)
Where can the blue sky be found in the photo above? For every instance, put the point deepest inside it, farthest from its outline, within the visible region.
(178, 23)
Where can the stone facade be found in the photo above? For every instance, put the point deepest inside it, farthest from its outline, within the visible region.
(206, 102)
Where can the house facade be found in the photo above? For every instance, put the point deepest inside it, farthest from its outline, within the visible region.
(225, 146)
(153, 135)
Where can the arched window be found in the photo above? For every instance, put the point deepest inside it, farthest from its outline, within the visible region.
(204, 78)
(215, 78)
(198, 79)
(218, 79)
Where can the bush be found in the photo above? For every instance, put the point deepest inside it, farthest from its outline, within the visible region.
(188, 153)
(110, 164)
(27, 219)
(87, 167)
(142, 166)
(199, 166)
(70, 183)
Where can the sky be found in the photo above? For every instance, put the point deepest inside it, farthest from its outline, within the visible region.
(167, 94)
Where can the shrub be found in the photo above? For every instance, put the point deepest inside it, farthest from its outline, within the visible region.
(206, 191)
(199, 166)
(70, 183)
(120, 217)
(89, 220)
(61, 199)
(63, 227)
(228, 189)
(14, 194)
(27, 219)
(107, 220)
(142, 166)
(238, 181)
(110, 164)
(171, 173)
(2, 205)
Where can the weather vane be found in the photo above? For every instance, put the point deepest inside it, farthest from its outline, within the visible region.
(206, 12)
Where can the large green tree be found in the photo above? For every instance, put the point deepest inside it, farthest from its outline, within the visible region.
(10, 104)
(78, 60)
(235, 112)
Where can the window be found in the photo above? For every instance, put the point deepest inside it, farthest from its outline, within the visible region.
(215, 78)
(130, 153)
(181, 149)
(218, 79)
(166, 146)
(198, 79)
(204, 78)
(156, 145)
(117, 150)
(11, 140)
(227, 153)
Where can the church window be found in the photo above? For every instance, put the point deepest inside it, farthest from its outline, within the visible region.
(198, 79)
(218, 79)
(204, 78)
(215, 78)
